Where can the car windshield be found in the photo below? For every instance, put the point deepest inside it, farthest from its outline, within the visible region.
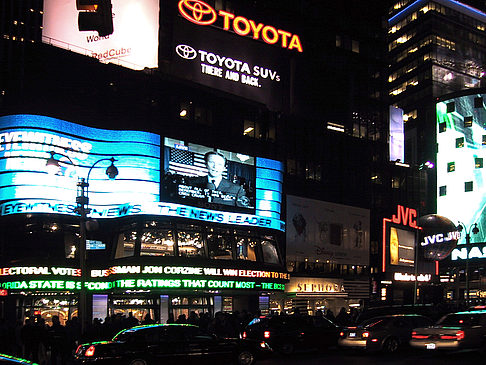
(460, 319)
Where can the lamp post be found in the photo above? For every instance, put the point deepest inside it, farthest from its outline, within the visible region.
(83, 210)
(473, 228)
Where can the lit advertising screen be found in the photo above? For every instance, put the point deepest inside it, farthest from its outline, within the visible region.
(320, 231)
(26, 144)
(397, 135)
(461, 175)
(223, 60)
(401, 244)
(215, 179)
(133, 43)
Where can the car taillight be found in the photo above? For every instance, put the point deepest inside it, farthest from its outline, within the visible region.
(266, 334)
(341, 334)
(416, 336)
(243, 335)
(365, 335)
(90, 351)
(458, 336)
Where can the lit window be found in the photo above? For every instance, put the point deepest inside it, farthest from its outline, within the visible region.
(468, 122)
(451, 166)
(484, 140)
(355, 46)
(460, 142)
(442, 127)
(478, 162)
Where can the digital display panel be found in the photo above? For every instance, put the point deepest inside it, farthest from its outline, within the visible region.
(133, 43)
(461, 175)
(26, 143)
(204, 177)
(402, 243)
(397, 135)
(208, 56)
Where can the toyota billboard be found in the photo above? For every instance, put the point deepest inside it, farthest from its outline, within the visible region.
(231, 53)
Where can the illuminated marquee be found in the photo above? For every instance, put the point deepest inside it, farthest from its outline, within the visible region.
(316, 285)
(139, 284)
(200, 13)
(189, 270)
(39, 270)
(399, 276)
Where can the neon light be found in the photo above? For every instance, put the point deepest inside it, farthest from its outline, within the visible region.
(160, 209)
(383, 265)
(188, 270)
(200, 13)
(43, 270)
(42, 285)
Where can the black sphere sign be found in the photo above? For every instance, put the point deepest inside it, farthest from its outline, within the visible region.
(438, 236)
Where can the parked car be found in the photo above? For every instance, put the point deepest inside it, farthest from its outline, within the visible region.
(287, 334)
(384, 333)
(461, 330)
(170, 344)
(7, 359)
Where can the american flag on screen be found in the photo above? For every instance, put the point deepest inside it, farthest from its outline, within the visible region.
(187, 163)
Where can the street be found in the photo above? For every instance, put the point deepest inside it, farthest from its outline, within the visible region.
(406, 357)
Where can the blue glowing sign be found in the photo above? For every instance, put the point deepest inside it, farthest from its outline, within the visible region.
(25, 145)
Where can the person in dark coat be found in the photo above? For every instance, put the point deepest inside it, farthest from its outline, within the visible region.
(221, 190)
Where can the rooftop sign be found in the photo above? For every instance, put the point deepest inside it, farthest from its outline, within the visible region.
(200, 13)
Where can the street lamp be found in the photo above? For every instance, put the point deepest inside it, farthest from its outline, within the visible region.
(473, 228)
(83, 210)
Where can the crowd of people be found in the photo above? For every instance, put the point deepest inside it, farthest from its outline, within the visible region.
(54, 344)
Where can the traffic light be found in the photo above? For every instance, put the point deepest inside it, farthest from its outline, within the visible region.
(95, 15)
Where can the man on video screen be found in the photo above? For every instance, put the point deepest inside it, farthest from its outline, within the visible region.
(221, 190)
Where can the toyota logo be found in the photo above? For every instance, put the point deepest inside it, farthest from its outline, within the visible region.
(197, 11)
(186, 52)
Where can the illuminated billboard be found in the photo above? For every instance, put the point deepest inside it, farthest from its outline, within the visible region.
(397, 135)
(402, 247)
(327, 232)
(224, 61)
(199, 176)
(461, 175)
(133, 43)
(248, 191)
(26, 143)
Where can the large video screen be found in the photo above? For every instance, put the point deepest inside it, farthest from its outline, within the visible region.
(133, 43)
(27, 142)
(461, 174)
(221, 180)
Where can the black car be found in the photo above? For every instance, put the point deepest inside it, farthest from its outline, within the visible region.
(170, 344)
(287, 334)
(386, 333)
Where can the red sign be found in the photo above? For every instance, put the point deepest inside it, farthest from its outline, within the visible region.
(3, 292)
(405, 216)
(198, 12)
